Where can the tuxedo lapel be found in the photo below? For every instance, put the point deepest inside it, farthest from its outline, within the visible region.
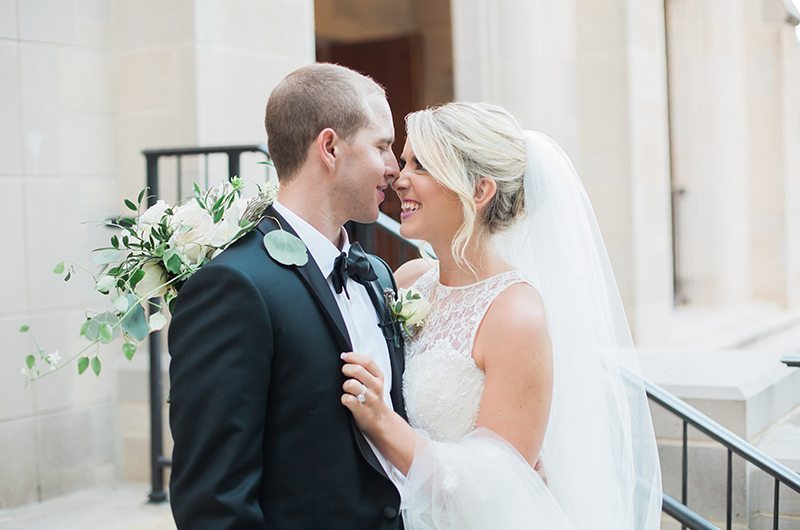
(318, 286)
(390, 332)
(314, 280)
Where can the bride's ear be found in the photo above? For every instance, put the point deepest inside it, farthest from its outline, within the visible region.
(484, 191)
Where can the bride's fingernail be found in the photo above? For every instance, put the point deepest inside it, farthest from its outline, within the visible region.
(343, 355)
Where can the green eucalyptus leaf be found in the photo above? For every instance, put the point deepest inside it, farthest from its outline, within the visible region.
(96, 366)
(30, 360)
(92, 329)
(120, 303)
(104, 257)
(130, 205)
(106, 333)
(59, 268)
(68, 276)
(24, 328)
(83, 364)
(172, 261)
(128, 349)
(136, 277)
(286, 248)
(115, 241)
(135, 324)
(141, 195)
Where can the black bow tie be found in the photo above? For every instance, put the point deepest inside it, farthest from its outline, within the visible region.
(354, 264)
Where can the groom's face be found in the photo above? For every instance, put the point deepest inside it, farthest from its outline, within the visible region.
(366, 164)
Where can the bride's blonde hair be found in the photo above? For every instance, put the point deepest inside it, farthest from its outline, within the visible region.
(461, 142)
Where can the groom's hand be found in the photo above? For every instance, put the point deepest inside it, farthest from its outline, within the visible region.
(363, 390)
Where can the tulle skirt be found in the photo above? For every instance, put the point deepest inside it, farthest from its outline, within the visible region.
(478, 483)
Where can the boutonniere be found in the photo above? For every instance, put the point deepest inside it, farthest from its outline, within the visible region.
(408, 308)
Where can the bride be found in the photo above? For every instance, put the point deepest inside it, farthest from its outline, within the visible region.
(526, 353)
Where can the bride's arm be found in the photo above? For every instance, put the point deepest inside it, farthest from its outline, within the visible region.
(393, 437)
(512, 347)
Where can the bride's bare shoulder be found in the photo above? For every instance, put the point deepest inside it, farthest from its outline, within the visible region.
(410, 271)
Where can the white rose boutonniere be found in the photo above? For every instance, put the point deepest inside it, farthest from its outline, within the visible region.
(408, 308)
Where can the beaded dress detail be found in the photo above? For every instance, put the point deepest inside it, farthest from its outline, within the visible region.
(442, 385)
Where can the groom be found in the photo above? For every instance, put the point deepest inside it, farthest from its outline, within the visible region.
(261, 438)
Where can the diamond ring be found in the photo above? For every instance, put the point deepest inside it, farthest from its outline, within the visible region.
(362, 397)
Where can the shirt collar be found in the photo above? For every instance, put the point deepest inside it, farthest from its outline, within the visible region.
(321, 249)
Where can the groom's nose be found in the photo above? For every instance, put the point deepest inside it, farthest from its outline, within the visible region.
(392, 170)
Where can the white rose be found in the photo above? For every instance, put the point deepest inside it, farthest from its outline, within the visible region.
(414, 311)
(154, 276)
(151, 217)
(223, 232)
(192, 226)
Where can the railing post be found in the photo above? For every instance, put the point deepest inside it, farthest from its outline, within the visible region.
(233, 163)
(157, 493)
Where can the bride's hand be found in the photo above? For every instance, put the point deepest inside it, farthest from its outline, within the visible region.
(363, 390)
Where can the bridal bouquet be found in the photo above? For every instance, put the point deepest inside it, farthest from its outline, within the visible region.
(153, 254)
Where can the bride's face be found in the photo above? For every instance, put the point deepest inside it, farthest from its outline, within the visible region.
(430, 211)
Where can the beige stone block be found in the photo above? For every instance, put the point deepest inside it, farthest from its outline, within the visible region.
(18, 463)
(8, 19)
(77, 231)
(41, 109)
(10, 109)
(258, 25)
(134, 419)
(76, 448)
(149, 23)
(13, 287)
(233, 113)
(18, 395)
(87, 143)
(73, 22)
(136, 458)
(85, 80)
(154, 79)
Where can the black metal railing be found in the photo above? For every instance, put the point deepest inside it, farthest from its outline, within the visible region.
(690, 416)
(158, 461)
(366, 234)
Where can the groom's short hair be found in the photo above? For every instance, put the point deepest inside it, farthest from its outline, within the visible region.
(308, 100)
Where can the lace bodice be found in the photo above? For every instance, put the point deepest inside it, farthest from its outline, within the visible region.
(442, 385)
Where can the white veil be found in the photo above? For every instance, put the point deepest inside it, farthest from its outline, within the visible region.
(599, 450)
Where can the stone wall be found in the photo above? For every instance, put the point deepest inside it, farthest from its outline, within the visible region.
(86, 86)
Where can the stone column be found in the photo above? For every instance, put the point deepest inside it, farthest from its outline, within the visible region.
(193, 73)
(591, 74)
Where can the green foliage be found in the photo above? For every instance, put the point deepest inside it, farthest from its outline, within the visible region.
(286, 248)
(128, 349)
(96, 366)
(83, 364)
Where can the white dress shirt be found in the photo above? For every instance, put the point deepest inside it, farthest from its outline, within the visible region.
(358, 312)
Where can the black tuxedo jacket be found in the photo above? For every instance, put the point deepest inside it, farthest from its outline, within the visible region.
(262, 440)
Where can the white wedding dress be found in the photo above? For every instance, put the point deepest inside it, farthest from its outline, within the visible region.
(462, 477)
